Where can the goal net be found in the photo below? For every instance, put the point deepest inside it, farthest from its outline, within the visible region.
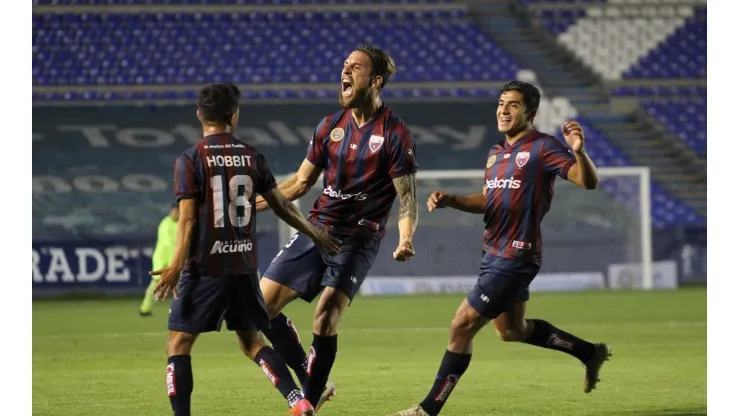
(591, 239)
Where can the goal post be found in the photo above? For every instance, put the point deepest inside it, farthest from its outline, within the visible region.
(606, 231)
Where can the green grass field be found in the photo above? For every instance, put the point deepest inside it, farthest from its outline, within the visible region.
(100, 357)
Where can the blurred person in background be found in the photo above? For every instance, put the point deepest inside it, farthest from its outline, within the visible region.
(163, 251)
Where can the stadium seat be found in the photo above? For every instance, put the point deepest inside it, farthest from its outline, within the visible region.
(296, 47)
(664, 41)
(686, 119)
(682, 55)
(662, 91)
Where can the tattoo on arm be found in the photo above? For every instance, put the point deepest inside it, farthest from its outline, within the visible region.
(406, 189)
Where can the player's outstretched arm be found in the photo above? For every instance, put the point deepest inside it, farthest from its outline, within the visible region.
(583, 173)
(186, 223)
(294, 187)
(286, 211)
(474, 204)
(170, 275)
(408, 215)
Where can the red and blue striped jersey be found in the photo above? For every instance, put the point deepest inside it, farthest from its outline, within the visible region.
(359, 166)
(224, 175)
(519, 186)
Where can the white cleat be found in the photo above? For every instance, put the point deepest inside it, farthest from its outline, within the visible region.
(330, 390)
(415, 410)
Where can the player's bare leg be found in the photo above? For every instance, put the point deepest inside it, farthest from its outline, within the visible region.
(329, 310)
(179, 376)
(512, 326)
(284, 335)
(277, 372)
(464, 327)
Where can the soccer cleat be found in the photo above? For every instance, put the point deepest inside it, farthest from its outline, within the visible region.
(145, 314)
(302, 408)
(602, 353)
(415, 410)
(330, 390)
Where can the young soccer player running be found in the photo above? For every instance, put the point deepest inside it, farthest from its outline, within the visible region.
(519, 186)
(215, 261)
(368, 157)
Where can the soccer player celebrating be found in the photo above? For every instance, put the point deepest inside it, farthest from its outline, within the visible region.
(368, 157)
(215, 183)
(166, 238)
(519, 185)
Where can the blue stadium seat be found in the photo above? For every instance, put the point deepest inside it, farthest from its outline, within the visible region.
(666, 210)
(558, 21)
(661, 91)
(682, 55)
(255, 48)
(687, 119)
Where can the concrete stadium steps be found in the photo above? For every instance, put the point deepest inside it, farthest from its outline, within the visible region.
(671, 167)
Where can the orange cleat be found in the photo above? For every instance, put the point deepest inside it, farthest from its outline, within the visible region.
(302, 408)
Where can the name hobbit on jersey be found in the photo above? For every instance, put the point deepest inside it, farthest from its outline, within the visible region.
(229, 161)
(501, 183)
(341, 195)
(233, 246)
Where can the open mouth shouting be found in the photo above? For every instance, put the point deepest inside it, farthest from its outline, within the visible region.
(347, 87)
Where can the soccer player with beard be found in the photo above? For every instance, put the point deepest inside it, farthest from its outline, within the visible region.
(368, 157)
(519, 186)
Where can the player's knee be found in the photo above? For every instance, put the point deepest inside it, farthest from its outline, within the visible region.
(180, 343)
(329, 312)
(464, 323)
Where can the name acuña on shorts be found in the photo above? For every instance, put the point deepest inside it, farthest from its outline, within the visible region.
(340, 195)
(233, 246)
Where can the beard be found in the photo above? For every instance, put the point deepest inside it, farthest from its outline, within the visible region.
(356, 100)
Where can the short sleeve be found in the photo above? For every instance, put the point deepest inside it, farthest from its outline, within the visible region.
(266, 181)
(315, 152)
(402, 152)
(556, 157)
(186, 179)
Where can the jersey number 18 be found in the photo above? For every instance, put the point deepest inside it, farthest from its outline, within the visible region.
(240, 192)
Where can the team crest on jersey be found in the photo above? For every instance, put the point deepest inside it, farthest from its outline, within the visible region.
(375, 142)
(491, 161)
(522, 158)
(337, 134)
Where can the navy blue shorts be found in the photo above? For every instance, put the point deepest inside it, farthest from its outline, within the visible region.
(205, 301)
(301, 266)
(501, 284)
